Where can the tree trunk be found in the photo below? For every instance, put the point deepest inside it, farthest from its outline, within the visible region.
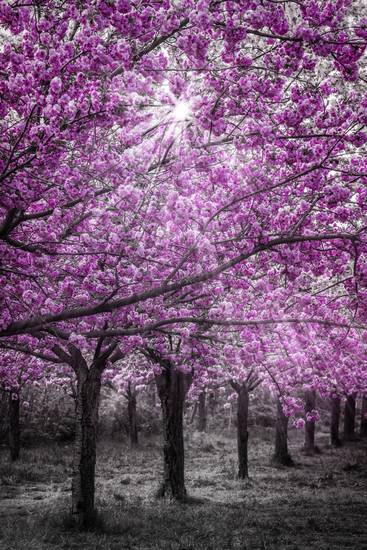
(349, 417)
(172, 388)
(84, 460)
(363, 427)
(153, 396)
(212, 403)
(229, 416)
(281, 455)
(202, 412)
(310, 403)
(242, 430)
(133, 425)
(4, 417)
(193, 413)
(14, 426)
(335, 420)
(211, 406)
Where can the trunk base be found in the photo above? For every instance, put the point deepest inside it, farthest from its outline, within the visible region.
(311, 451)
(85, 522)
(165, 492)
(283, 460)
(14, 455)
(351, 439)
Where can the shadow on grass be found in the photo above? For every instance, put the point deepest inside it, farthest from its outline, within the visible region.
(283, 523)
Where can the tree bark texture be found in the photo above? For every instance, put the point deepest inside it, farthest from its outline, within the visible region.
(202, 419)
(281, 455)
(242, 430)
(349, 418)
(193, 412)
(131, 408)
(84, 460)
(335, 422)
(172, 386)
(14, 426)
(212, 403)
(363, 426)
(310, 403)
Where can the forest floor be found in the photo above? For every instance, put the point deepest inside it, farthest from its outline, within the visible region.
(321, 503)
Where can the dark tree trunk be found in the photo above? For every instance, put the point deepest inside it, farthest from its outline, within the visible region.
(4, 417)
(335, 421)
(14, 426)
(172, 386)
(212, 403)
(281, 455)
(202, 412)
(133, 424)
(193, 413)
(84, 460)
(242, 430)
(349, 418)
(310, 403)
(363, 427)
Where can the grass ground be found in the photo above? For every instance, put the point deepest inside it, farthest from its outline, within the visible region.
(319, 504)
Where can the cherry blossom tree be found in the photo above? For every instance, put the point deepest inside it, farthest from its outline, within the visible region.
(102, 42)
(182, 165)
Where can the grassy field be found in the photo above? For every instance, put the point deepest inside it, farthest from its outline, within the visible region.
(320, 504)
